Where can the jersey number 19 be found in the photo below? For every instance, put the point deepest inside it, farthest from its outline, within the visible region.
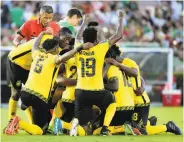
(88, 66)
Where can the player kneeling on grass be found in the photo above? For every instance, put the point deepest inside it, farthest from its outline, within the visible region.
(118, 83)
(37, 90)
(141, 100)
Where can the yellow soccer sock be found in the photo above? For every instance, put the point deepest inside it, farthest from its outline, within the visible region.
(68, 126)
(58, 112)
(113, 129)
(30, 128)
(151, 130)
(28, 112)
(12, 108)
(110, 111)
(116, 129)
(97, 131)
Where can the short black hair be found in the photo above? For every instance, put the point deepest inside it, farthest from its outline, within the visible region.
(63, 31)
(89, 35)
(49, 44)
(113, 52)
(46, 8)
(93, 23)
(74, 11)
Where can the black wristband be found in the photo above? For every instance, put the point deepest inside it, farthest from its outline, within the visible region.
(79, 48)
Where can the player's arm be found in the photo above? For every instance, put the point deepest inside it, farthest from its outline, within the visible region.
(66, 81)
(71, 53)
(141, 89)
(129, 71)
(21, 34)
(17, 40)
(37, 41)
(81, 29)
(105, 69)
(118, 35)
(112, 84)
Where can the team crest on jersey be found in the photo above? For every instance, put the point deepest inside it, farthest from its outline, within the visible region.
(18, 83)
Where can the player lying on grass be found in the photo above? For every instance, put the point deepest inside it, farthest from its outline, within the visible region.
(37, 90)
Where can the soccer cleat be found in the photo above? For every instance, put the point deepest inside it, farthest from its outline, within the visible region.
(128, 129)
(139, 129)
(73, 130)
(153, 120)
(50, 130)
(172, 128)
(105, 131)
(57, 127)
(13, 126)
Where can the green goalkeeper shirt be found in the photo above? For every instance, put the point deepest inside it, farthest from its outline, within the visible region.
(64, 23)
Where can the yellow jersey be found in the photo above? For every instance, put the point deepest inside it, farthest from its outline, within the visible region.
(22, 54)
(124, 95)
(42, 75)
(136, 82)
(89, 67)
(70, 72)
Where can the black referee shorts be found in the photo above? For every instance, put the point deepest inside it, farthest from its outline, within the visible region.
(84, 100)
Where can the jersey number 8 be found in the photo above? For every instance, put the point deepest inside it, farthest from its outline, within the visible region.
(88, 67)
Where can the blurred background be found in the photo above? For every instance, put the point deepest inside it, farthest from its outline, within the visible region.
(152, 36)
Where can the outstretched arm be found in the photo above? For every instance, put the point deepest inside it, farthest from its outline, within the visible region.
(37, 41)
(118, 35)
(71, 53)
(129, 71)
(81, 29)
(66, 81)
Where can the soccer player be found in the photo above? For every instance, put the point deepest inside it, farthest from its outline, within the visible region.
(18, 66)
(72, 19)
(141, 100)
(90, 88)
(119, 83)
(37, 90)
(33, 28)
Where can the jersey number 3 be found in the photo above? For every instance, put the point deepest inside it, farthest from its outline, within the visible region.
(88, 66)
(38, 66)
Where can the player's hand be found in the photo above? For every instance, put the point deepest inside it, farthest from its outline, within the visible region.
(87, 45)
(121, 13)
(139, 91)
(111, 61)
(86, 18)
(49, 31)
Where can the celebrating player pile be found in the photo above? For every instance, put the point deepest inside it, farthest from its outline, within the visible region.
(104, 92)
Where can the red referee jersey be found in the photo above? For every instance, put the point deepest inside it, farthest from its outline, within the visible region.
(33, 28)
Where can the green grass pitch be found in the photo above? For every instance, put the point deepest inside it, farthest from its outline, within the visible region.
(164, 114)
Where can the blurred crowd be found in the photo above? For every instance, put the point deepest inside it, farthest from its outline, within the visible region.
(155, 22)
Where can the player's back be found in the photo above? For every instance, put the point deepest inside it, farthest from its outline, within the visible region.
(124, 94)
(42, 75)
(70, 72)
(89, 67)
(22, 54)
(136, 82)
